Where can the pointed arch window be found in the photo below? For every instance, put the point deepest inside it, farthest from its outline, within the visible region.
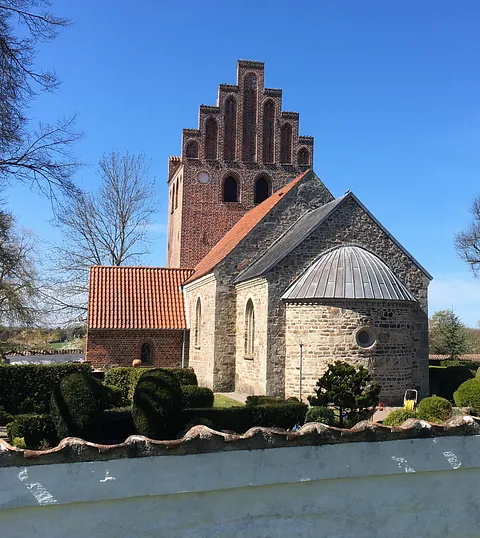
(146, 353)
(262, 190)
(268, 131)
(303, 157)
(230, 129)
(286, 144)
(230, 189)
(249, 118)
(191, 150)
(211, 139)
(198, 324)
(249, 329)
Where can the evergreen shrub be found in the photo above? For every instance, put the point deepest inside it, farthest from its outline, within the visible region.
(320, 414)
(434, 409)
(194, 396)
(36, 430)
(398, 417)
(444, 381)
(468, 395)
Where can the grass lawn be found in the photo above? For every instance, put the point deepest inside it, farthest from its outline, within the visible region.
(225, 401)
(57, 345)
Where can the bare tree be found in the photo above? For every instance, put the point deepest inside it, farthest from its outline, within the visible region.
(467, 242)
(108, 227)
(40, 156)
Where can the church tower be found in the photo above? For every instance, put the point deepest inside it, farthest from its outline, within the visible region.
(244, 149)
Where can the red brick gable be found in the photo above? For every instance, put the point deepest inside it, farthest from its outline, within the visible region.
(136, 298)
(241, 229)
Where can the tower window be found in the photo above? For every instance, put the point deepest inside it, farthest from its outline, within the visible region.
(268, 131)
(198, 323)
(230, 189)
(230, 129)
(286, 144)
(191, 150)
(262, 190)
(211, 136)
(303, 157)
(249, 329)
(249, 118)
(146, 353)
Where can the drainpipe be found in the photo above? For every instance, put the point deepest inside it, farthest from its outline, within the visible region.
(187, 318)
(183, 348)
(300, 345)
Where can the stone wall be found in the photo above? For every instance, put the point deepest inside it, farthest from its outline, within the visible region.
(202, 354)
(250, 371)
(119, 347)
(328, 333)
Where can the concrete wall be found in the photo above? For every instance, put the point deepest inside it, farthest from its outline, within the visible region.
(417, 487)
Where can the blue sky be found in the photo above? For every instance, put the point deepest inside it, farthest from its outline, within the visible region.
(389, 90)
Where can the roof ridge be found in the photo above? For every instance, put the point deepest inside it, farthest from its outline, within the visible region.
(141, 267)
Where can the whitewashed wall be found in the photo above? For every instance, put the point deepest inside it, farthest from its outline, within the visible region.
(411, 488)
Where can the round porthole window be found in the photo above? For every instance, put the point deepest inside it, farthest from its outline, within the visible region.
(365, 337)
(203, 177)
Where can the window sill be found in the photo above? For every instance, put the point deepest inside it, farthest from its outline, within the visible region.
(197, 347)
(249, 357)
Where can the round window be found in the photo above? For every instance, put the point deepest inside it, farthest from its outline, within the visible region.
(366, 337)
(203, 177)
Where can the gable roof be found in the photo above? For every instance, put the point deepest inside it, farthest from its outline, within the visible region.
(136, 298)
(241, 229)
(301, 229)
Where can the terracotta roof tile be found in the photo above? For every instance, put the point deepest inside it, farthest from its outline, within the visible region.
(136, 298)
(241, 229)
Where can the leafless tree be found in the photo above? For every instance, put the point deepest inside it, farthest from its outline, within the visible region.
(107, 227)
(467, 242)
(40, 156)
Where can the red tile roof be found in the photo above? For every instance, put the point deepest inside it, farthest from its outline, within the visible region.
(136, 298)
(241, 229)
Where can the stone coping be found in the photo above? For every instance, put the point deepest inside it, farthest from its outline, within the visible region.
(201, 440)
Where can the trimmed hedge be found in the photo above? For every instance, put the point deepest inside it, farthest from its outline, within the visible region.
(444, 381)
(193, 396)
(76, 404)
(116, 424)
(253, 401)
(36, 430)
(240, 419)
(114, 396)
(434, 409)
(468, 395)
(28, 388)
(157, 403)
(321, 414)
(126, 377)
(398, 417)
(5, 418)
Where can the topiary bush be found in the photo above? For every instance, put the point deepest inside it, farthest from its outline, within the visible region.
(398, 417)
(5, 418)
(36, 430)
(253, 401)
(116, 424)
(468, 395)
(75, 406)
(193, 396)
(157, 404)
(320, 414)
(284, 415)
(444, 381)
(434, 409)
(115, 397)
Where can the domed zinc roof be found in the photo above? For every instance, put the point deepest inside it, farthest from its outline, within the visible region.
(349, 272)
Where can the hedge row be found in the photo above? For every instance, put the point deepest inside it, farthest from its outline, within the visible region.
(193, 396)
(126, 377)
(444, 381)
(27, 388)
(36, 430)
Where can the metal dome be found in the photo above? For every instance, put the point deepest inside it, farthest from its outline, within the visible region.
(349, 272)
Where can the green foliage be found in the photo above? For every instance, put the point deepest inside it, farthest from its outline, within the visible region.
(253, 401)
(36, 430)
(5, 417)
(115, 396)
(19, 442)
(157, 403)
(434, 409)
(320, 414)
(28, 388)
(279, 415)
(348, 389)
(447, 334)
(445, 381)
(194, 396)
(126, 377)
(398, 417)
(471, 365)
(116, 424)
(468, 395)
(76, 404)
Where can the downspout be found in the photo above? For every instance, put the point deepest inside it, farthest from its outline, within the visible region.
(187, 319)
(183, 348)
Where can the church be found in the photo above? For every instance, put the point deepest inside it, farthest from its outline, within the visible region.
(269, 277)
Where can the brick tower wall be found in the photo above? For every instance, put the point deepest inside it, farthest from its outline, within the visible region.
(230, 144)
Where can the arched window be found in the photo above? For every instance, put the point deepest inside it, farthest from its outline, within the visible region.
(191, 150)
(286, 144)
(262, 190)
(249, 329)
(198, 323)
(230, 189)
(268, 131)
(249, 118)
(211, 135)
(146, 353)
(303, 157)
(230, 129)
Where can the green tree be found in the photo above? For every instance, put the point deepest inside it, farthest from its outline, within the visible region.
(447, 334)
(348, 389)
